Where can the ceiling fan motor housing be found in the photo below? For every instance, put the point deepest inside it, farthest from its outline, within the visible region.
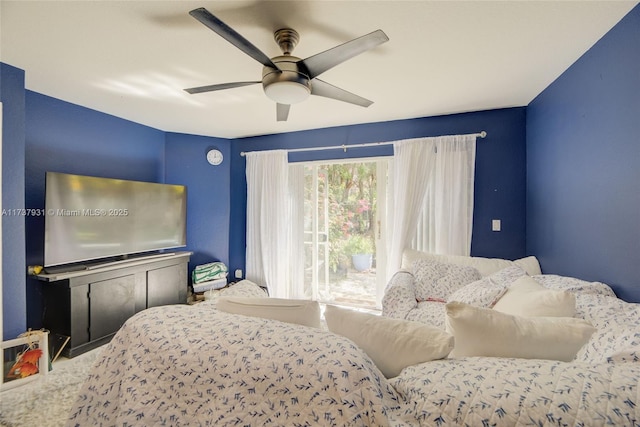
(289, 84)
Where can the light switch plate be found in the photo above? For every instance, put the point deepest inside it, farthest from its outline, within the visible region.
(496, 225)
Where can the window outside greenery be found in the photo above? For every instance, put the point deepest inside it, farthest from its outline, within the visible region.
(344, 202)
(352, 202)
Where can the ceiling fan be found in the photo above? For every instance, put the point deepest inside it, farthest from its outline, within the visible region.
(287, 79)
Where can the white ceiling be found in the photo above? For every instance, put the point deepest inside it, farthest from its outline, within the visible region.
(132, 59)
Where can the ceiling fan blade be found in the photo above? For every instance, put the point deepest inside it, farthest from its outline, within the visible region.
(321, 62)
(222, 86)
(233, 37)
(322, 88)
(282, 112)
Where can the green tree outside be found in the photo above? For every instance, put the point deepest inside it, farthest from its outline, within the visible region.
(352, 212)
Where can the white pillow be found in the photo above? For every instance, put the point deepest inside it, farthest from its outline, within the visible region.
(526, 297)
(302, 312)
(529, 264)
(392, 344)
(488, 290)
(486, 332)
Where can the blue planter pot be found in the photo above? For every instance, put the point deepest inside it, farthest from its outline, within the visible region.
(362, 262)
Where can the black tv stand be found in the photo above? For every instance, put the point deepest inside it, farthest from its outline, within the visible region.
(91, 304)
(64, 269)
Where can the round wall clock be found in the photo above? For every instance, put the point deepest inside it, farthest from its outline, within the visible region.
(214, 157)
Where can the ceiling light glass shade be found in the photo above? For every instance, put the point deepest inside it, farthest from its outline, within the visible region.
(287, 92)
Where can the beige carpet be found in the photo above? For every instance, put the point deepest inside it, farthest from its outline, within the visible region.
(48, 400)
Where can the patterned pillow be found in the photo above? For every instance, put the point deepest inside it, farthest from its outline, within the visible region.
(573, 284)
(488, 290)
(399, 296)
(244, 288)
(437, 280)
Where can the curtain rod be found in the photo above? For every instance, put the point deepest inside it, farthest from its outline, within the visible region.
(344, 147)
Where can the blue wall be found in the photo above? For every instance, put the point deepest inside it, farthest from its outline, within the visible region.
(500, 170)
(208, 193)
(43, 134)
(583, 161)
(13, 226)
(64, 137)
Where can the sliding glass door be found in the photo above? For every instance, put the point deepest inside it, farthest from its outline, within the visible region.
(343, 239)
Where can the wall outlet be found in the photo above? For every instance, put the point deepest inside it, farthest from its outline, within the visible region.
(496, 225)
(238, 274)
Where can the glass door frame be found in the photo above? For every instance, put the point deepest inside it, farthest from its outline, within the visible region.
(379, 225)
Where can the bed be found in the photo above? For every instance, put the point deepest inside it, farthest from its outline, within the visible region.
(598, 388)
(195, 365)
(199, 365)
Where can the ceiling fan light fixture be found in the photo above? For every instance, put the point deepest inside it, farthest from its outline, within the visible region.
(287, 92)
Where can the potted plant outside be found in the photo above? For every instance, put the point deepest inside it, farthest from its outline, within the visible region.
(361, 249)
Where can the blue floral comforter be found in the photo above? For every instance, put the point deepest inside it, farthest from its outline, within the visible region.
(194, 365)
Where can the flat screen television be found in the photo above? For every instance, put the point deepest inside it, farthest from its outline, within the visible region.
(90, 218)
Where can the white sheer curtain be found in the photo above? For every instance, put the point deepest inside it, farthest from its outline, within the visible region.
(408, 181)
(446, 220)
(296, 219)
(268, 214)
(275, 194)
(430, 196)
